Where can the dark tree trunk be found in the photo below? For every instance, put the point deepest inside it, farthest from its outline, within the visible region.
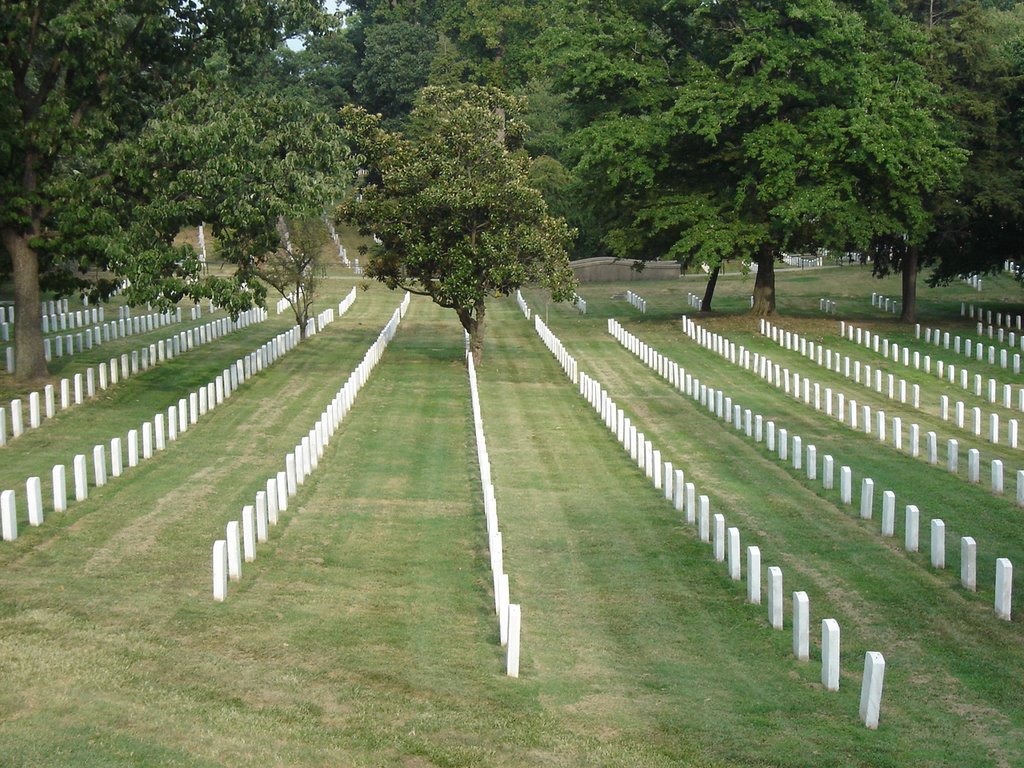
(764, 283)
(709, 291)
(908, 314)
(473, 321)
(29, 358)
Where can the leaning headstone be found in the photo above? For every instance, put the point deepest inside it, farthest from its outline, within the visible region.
(871, 688)
(830, 654)
(801, 625)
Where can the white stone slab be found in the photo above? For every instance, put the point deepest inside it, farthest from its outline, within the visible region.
(753, 575)
(514, 631)
(830, 654)
(8, 516)
(1004, 588)
(775, 597)
(938, 544)
(220, 571)
(888, 513)
(60, 488)
(911, 533)
(81, 478)
(234, 553)
(733, 548)
(871, 689)
(249, 532)
(801, 625)
(968, 564)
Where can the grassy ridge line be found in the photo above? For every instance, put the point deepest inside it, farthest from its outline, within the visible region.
(744, 481)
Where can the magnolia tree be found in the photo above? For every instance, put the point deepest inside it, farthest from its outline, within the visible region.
(450, 204)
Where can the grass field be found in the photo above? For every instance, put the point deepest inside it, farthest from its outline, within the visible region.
(364, 634)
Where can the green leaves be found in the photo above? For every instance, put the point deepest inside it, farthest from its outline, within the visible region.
(451, 203)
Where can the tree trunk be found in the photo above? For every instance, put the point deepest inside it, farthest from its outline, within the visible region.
(709, 291)
(909, 272)
(473, 321)
(764, 283)
(29, 358)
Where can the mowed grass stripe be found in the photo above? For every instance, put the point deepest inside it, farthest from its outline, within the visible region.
(882, 598)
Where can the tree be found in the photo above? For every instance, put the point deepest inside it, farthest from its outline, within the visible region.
(738, 130)
(241, 163)
(294, 269)
(452, 207)
(74, 77)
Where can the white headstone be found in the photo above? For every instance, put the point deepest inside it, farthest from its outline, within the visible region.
(938, 544)
(234, 551)
(8, 516)
(81, 479)
(969, 563)
(775, 597)
(871, 688)
(801, 625)
(888, 513)
(514, 628)
(249, 532)
(220, 570)
(753, 575)
(60, 488)
(830, 654)
(1004, 588)
(733, 546)
(912, 523)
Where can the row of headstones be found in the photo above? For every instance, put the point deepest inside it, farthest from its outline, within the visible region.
(969, 310)
(693, 300)
(555, 346)
(974, 281)
(342, 253)
(580, 303)
(717, 342)
(154, 434)
(999, 334)
(828, 306)
(944, 371)
(725, 541)
(795, 260)
(637, 301)
(959, 410)
(523, 306)
(241, 537)
(836, 362)
(977, 350)
(316, 324)
(109, 374)
(723, 407)
(286, 301)
(509, 614)
(70, 344)
(68, 321)
(885, 303)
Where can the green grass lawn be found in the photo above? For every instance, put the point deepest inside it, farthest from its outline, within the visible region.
(364, 633)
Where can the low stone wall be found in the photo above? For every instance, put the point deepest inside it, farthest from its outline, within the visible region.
(609, 269)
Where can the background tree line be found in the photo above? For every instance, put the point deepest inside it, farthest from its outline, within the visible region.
(701, 132)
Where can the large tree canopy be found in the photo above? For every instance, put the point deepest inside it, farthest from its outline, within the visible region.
(76, 77)
(739, 130)
(451, 205)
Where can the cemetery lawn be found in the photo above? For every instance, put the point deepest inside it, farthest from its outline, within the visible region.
(364, 634)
